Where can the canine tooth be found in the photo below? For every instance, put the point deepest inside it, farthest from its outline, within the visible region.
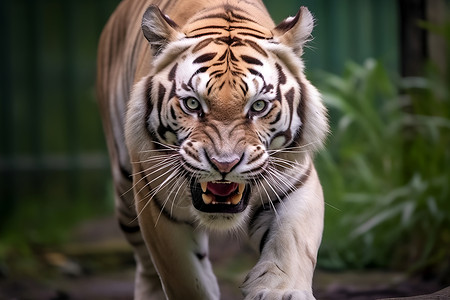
(204, 186)
(236, 199)
(241, 188)
(207, 199)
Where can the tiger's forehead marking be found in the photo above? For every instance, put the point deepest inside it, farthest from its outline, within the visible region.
(227, 72)
(227, 57)
(225, 20)
(234, 69)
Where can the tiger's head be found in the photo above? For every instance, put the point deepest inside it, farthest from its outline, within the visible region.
(224, 97)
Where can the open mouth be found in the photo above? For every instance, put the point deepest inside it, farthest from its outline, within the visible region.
(220, 196)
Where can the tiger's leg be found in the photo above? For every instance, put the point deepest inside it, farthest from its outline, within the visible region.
(147, 282)
(289, 240)
(179, 252)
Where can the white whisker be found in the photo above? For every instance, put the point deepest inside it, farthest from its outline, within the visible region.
(270, 183)
(288, 163)
(280, 180)
(293, 149)
(171, 169)
(149, 196)
(268, 197)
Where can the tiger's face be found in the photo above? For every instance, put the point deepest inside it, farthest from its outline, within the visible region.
(225, 103)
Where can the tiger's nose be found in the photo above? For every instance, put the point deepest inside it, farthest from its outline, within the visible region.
(224, 166)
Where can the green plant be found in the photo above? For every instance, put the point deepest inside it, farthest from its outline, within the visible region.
(385, 170)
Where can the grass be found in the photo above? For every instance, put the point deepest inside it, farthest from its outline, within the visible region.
(385, 170)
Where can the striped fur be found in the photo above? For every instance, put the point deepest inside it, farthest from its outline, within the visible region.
(211, 125)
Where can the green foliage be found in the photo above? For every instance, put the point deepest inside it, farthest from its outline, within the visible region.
(385, 170)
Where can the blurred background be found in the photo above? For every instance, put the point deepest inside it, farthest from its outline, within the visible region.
(383, 68)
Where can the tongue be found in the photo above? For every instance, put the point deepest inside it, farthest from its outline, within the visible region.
(222, 189)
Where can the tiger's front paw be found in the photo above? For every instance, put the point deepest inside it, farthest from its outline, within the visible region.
(267, 281)
(266, 294)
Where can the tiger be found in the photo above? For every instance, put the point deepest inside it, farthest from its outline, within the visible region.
(212, 126)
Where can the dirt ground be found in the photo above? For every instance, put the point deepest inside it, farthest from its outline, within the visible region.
(99, 265)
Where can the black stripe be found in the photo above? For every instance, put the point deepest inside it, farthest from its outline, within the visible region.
(216, 129)
(301, 112)
(192, 154)
(205, 57)
(298, 184)
(281, 75)
(277, 118)
(149, 104)
(237, 125)
(173, 72)
(257, 47)
(243, 90)
(208, 27)
(202, 45)
(173, 114)
(216, 73)
(256, 157)
(254, 35)
(304, 178)
(227, 40)
(268, 88)
(129, 229)
(233, 58)
(212, 142)
(255, 170)
(256, 73)
(125, 173)
(224, 55)
(289, 96)
(202, 34)
(266, 207)
(161, 95)
(245, 28)
(173, 91)
(201, 70)
(251, 60)
(192, 168)
(263, 241)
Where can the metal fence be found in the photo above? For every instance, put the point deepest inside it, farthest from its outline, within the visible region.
(52, 150)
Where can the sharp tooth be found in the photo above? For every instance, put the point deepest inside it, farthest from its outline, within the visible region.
(235, 199)
(204, 186)
(241, 188)
(207, 199)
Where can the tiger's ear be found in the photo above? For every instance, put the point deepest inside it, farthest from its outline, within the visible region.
(296, 31)
(158, 28)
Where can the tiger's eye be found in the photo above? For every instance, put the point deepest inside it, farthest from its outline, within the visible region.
(259, 106)
(192, 104)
